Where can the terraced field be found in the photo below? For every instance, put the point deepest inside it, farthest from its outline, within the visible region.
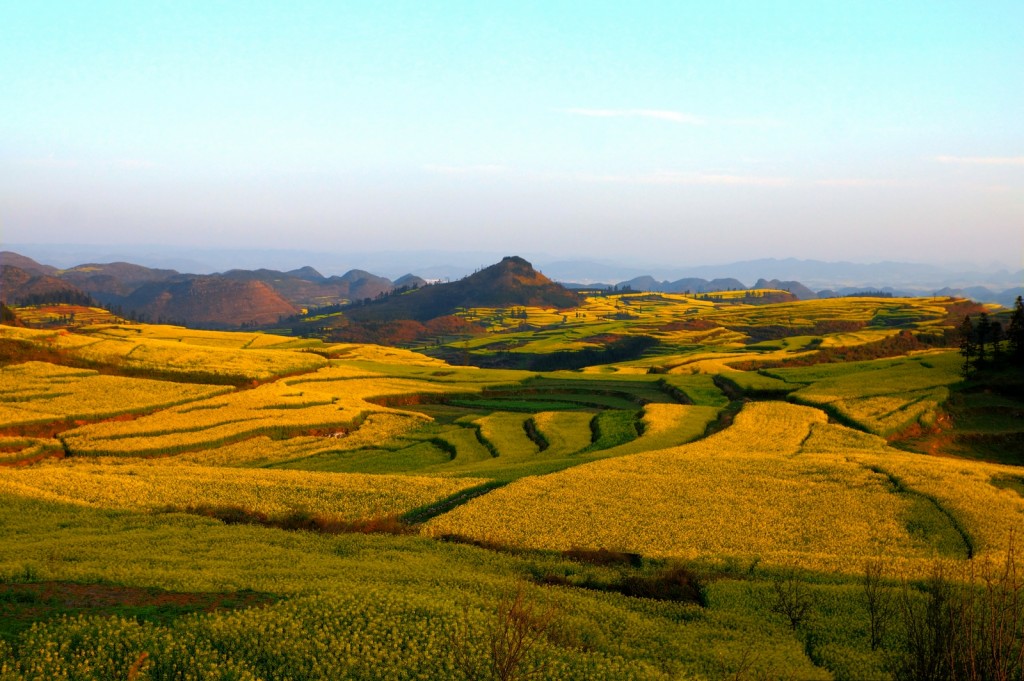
(651, 510)
(781, 485)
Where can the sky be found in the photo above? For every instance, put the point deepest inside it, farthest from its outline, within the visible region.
(670, 132)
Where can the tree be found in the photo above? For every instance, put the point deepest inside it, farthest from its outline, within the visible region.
(791, 598)
(981, 335)
(518, 625)
(878, 600)
(968, 348)
(997, 337)
(7, 315)
(1015, 334)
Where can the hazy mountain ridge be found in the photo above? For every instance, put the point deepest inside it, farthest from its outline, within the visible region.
(169, 295)
(144, 291)
(210, 301)
(17, 285)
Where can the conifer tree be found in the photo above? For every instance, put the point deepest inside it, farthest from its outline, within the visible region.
(981, 337)
(996, 337)
(1015, 334)
(967, 345)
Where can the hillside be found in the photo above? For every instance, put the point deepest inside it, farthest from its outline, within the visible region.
(25, 263)
(308, 288)
(210, 302)
(18, 286)
(258, 296)
(106, 282)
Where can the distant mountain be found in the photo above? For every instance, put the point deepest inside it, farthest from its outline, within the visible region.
(983, 295)
(410, 281)
(209, 301)
(513, 281)
(307, 273)
(691, 284)
(27, 264)
(815, 274)
(21, 287)
(794, 287)
(110, 281)
(157, 294)
(360, 284)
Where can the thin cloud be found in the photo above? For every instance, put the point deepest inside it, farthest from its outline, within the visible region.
(133, 164)
(672, 178)
(441, 169)
(860, 182)
(983, 160)
(657, 114)
(50, 162)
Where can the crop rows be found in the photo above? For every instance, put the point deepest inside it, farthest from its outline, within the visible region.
(881, 396)
(149, 357)
(753, 490)
(326, 404)
(38, 392)
(145, 486)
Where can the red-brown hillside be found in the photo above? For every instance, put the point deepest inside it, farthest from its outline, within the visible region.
(209, 301)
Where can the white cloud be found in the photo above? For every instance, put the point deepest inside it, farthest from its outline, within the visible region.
(658, 114)
(983, 160)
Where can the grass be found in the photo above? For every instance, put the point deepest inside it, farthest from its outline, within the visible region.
(23, 604)
(982, 419)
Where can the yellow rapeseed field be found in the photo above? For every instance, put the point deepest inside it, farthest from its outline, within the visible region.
(780, 485)
(38, 392)
(164, 356)
(376, 429)
(328, 402)
(118, 483)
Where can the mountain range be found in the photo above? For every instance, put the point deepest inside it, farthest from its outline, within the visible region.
(223, 300)
(259, 297)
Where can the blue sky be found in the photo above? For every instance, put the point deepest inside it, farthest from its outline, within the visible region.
(675, 132)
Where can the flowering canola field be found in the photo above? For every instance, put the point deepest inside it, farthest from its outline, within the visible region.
(781, 485)
(328, 401)
(38, 392)
(151, 486)
(165, 357)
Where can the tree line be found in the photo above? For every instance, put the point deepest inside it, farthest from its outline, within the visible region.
(986, 344)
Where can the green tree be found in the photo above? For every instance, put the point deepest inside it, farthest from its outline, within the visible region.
(1015, 334)
(968, 347)
(982, 331)
(996, 336)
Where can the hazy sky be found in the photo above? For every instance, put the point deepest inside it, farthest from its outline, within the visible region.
(686, 132)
